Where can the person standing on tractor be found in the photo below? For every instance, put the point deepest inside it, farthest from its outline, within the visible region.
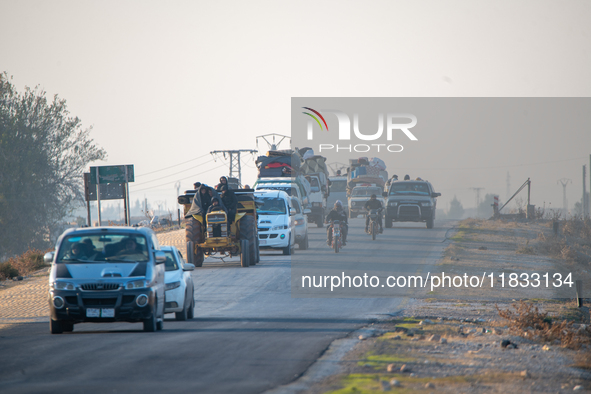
(337, 213)
(230, 201)
(223, 182)
(373, 203)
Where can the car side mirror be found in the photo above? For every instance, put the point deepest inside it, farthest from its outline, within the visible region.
(307, 211)
(292, 212)
(435, 194)
(384, 194)
(188, 267)
(160, 257)
(48, 258)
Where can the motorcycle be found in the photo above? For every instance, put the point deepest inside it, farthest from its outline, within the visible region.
(336, 243)
(373, 227)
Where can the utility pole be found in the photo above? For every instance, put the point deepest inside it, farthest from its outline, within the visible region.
(584, 200)
(564, 182)
(508, 186)
(477, 190)
(234, 156)
(273, 144)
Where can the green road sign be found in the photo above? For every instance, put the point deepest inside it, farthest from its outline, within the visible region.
(111, 174)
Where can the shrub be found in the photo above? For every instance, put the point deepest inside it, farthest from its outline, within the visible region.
(7, 271)
(28, 262)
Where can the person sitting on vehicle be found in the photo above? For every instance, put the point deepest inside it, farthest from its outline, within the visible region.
(223, 182)
(373, 203)
(131, 249)
(246, 187)
(215, 205)
(196, 185)
(393, 179)
(407, 177)
(230, 202)
(205, 194)
(337, 213)
(77, 251)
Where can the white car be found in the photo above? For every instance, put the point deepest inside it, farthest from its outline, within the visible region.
(180, 292)
(275, 220)
(301, 223)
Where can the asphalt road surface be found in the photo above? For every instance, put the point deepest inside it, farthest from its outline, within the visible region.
(249, 334)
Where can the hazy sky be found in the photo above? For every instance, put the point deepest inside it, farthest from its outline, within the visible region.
(165, 83)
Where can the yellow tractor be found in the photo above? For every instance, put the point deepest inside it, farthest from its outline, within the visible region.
(213, 236)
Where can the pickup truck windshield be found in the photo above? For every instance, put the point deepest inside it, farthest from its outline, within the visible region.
(367, 191)
(103, 247)
(411, 188)
(272, 206)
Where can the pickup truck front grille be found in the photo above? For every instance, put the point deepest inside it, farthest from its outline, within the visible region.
(99, 286)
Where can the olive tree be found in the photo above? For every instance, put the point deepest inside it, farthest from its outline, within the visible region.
(43, 153)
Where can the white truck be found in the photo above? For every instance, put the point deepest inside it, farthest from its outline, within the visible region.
(315, 171)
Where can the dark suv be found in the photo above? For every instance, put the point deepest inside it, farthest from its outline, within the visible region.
(410, 201)
(106, 274)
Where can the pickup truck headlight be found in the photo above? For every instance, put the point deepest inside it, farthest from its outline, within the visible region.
(392, 203)
(59, 285)
(426, 203)
(283, 227)
(137, 284)
(173, 285)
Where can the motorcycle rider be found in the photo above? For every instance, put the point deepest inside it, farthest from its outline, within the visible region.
(337, 213)
(373, 203)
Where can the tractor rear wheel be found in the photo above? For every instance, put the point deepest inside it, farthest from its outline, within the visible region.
(194, 234)
(248, 233)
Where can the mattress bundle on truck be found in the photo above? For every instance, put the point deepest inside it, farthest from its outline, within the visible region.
(364, 171)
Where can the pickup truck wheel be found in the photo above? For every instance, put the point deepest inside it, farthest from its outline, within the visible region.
(352, 215)
(184, 314)
(288, 249)
(320, 221)
(194, 234)
(55, 326)
(150, 323)
(304, 244)
(388, 222)
(430, 223)
(191, 311)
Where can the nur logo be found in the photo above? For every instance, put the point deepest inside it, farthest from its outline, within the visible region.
(392, 124)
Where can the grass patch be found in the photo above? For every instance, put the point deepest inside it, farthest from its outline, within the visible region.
(371, 383)
(382, 360)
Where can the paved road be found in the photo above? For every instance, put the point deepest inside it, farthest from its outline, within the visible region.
(249, 334)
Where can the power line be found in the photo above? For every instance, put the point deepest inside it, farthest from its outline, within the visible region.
(167, 176)
(182, 179)
(176, 165)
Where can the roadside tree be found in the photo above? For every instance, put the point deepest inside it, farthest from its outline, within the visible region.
(456, 210)
(43, 153)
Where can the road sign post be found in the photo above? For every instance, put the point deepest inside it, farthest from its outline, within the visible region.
(112, 182)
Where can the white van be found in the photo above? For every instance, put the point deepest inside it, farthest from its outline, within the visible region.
(276, 222)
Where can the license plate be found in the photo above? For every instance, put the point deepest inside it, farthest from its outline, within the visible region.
(93, 312)
(262, 242)
(109, 312)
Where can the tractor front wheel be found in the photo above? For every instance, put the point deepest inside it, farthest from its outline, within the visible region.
(194, 236)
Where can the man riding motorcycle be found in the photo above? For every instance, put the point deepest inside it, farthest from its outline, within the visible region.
(373, 203)
(337, 213)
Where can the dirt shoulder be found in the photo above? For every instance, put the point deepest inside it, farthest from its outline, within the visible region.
(463, 345)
